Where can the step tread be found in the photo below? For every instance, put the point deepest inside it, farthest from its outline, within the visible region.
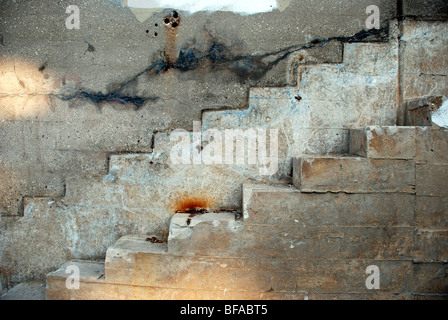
(92, 271)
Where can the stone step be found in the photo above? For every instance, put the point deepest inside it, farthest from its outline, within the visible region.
(286, 205)
(353, 175)
(424, 144)
(120, 257)
(383, 142)
(33, 290)
(420, 112)
(164, 276)
(203, 234)
(432, 145)
(61, 283)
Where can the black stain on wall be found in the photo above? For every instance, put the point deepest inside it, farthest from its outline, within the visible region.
(248, 67)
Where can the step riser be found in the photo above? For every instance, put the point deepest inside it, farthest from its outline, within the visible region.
(173, 277)
(204, 234)
(108, 291)
(353, 175)
(423, 144)
(384, 142)
(329, 209)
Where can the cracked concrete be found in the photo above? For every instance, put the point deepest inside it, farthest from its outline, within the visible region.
(74, 101)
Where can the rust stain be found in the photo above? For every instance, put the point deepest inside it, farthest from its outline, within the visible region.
(380, 142)
(155, 240)
(193, 205)
(376, 142)
(172, 23)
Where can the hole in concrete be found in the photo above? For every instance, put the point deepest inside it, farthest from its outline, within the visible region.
(175, 15)
(155, 34)
(147, 31)
(174, 24)
(167, 21)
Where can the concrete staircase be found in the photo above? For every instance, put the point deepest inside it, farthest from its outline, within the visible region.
(377, 205)
(352, 190)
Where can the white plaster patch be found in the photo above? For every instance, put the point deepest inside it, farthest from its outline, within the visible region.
(143, 9)
(440, 117)
(243, 7)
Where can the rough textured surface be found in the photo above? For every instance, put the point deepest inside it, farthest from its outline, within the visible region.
(354, 175)
(26, 291)
(86, 115)
(383, 142)
(419, 112)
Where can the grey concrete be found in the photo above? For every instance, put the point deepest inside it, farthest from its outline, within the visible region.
(35, 290)
(85, 114)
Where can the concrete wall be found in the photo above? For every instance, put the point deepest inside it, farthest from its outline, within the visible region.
(71, 98)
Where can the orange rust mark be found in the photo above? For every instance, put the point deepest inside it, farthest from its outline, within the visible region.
(192, 205)
(172, 23)
(155, 240)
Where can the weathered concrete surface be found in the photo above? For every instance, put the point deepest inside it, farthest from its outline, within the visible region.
(26, 291)
(162, 276)
(421, 42)
(109, 85)
(383, 142)
(353, 175)
(288, 206)
(431, 213)
(432, 145)
(63, 117)
(203, 234)
(425, 9)
(93, 289)
(419, 112)
(315, 115)
(431, 180)
(120, 257)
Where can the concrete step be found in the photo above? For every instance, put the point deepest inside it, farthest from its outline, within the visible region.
(288, 206)
(424, 144)
(33, 290)
(203, 234)
(334, 223)
(164, 276)
(432, 145)
(91, 280)
(383, 142)
(420, 112)
(353, 175)
(121, 256)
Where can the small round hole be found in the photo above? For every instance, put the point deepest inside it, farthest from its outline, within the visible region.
(174, 24)
(167, 20)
